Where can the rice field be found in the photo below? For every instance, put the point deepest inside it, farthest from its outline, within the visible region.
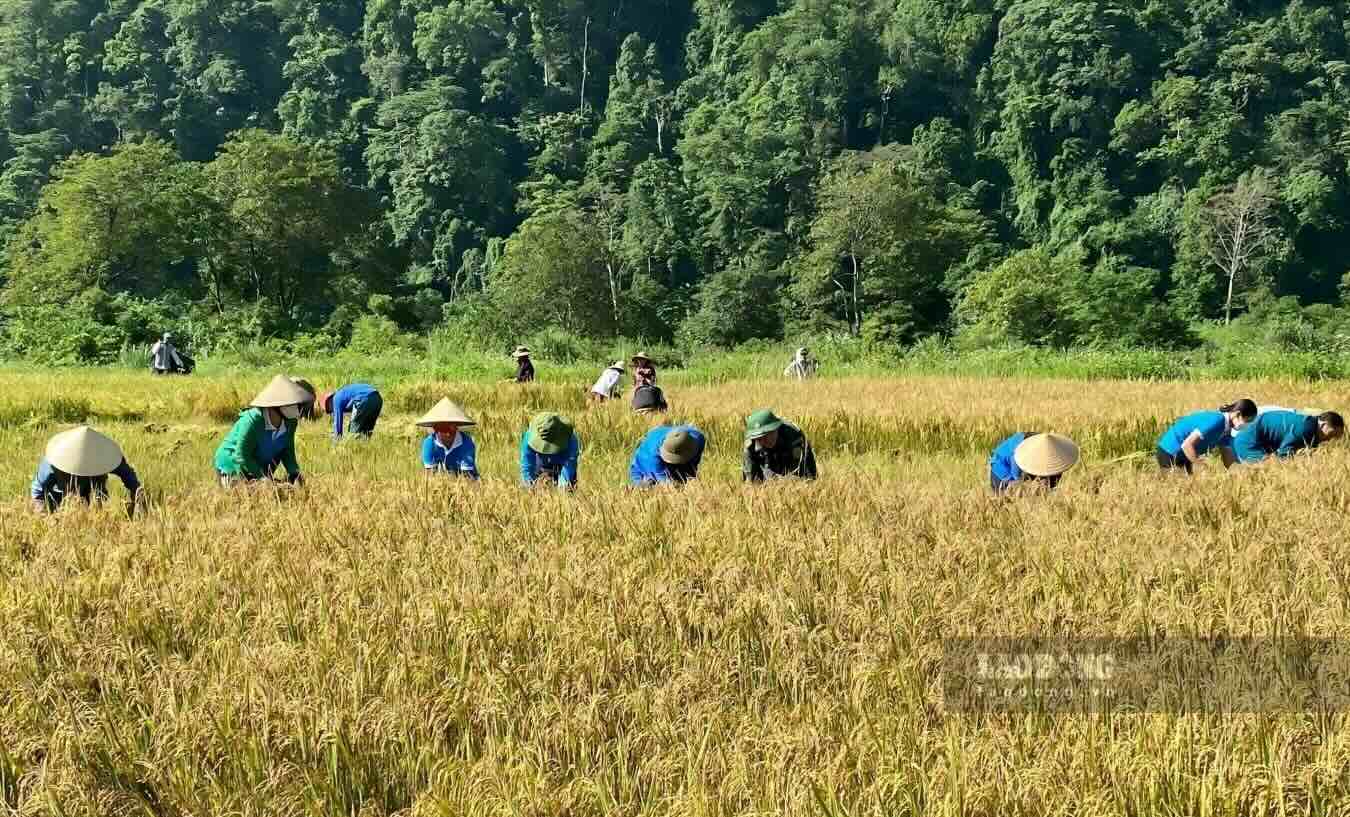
(381, 643)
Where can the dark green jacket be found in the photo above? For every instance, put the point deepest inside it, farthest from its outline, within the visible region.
(237, 456)
(791, 456)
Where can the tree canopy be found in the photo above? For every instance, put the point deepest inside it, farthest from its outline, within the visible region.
(1047, 172)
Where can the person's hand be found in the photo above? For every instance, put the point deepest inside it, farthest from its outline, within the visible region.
(38, 506)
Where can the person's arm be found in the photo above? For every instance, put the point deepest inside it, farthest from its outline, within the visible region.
(43, 481)
(339, 410)
(131, 482)
(749, 471)
(468, 463)
(1293, 440)
(1189, 446)
(529, 462)
(288, 454)
(806, 469)
(1229, 458)
(568, 478)
(429, 452)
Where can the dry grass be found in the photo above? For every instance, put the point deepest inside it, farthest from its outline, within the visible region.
(382, 644)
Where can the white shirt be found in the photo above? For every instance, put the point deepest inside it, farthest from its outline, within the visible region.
(609, 380)
(163, 356)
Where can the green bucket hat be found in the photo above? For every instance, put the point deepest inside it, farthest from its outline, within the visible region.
(679, 447)
(550, 433)
(760, 423)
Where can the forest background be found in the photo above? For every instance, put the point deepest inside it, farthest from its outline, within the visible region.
(956, 177)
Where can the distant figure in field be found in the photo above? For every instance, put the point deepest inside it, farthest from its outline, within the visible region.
(78, 462)
(165, 359)
(775, 448)
(264, 436)
(524, 368)
(648, 399)
(550, 452)
(307, 409)
(644, 371)
(607, 386)
(1027, 457)
(447, 449)
(1285, 433)
(363, 401)
(803, 366)
(667, 455)
(1194, 435)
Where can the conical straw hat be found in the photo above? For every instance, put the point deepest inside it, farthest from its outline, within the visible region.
(446, 412)
(282, 391)
(83, 452)
(1046, 455)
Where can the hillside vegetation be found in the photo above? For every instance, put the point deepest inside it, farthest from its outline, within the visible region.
(319, 174)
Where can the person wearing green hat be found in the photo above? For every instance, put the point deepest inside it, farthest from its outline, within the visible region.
(667, 455)
(775, 448)
(549, 450)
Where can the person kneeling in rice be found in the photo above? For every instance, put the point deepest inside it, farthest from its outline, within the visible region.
(447, 449)
(775, 448)
(667, 455)
(549, 452)
(1191, 437)
(1285, 433)
(264, 436)
(78, 462)
(1036, 459)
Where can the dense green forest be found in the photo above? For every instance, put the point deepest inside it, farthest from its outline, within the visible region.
(998, 172)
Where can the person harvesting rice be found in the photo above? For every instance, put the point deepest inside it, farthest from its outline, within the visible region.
(667, 455)
(364, 402)
(775, 448)
(264, 436)
(550, 452)
(447, 449)
(1039, 459)
(77, 463)
(1285, 433)
(1193, 436)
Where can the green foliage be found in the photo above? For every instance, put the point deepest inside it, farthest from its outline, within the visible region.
(716, 171)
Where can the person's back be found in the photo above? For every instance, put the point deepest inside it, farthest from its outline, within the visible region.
(1282, 433)
(647, 398)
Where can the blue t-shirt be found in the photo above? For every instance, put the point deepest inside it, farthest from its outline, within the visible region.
(561, 467)
(647, 466)
(1213, 428)
(1001, 464)
(1282, 433)
(459, 458)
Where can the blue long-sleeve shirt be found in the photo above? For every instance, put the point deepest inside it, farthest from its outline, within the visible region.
(51, 485)
(346, 399)
(1282, 433)
(647, 467)
(561, 466)
(1002, 467)
(459, 458)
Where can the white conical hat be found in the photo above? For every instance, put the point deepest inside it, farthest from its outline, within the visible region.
(83, 452)
(282, 391)
(446, 412)
(1046, 455)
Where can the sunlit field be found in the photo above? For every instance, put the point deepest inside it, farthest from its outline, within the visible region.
(381, 643)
